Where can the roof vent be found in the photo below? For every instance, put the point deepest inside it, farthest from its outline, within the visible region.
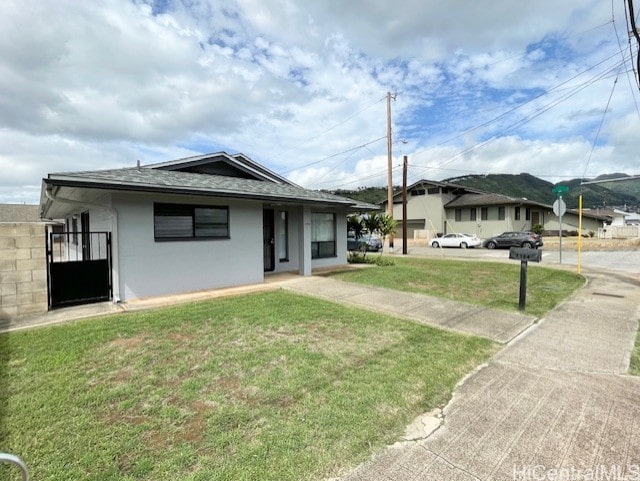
(138, 165)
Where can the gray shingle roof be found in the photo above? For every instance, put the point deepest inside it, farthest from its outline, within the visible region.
(470, 200)
(19, 213)
(157, 180)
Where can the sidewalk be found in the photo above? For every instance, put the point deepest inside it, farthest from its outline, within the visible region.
(554, 404)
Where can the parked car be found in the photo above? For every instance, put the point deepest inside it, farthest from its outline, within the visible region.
(365, 242)
(514, 239)
(456, 240)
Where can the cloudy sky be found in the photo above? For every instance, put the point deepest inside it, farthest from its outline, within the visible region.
(482, 86)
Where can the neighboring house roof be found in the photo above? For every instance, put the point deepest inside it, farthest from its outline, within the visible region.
(485, 199)
(19, 213)
(423, 183)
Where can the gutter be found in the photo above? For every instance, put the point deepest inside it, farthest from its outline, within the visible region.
(48, 192)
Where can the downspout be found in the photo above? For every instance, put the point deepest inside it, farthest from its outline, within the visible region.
(114, 234)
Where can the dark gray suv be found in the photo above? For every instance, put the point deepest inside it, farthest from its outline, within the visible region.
(514, 239)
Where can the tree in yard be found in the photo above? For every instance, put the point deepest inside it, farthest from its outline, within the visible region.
(372, 223)
(387, 226)
(356, 225)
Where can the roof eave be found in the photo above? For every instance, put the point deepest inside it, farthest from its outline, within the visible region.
(123, 186)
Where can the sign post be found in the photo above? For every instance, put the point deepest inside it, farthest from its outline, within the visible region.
(559, 208)
(524, 255)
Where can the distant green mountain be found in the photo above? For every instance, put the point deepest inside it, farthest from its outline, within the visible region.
(607, 194)
(522, 185)
(372, 195)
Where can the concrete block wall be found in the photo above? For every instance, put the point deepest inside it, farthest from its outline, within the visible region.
(23, 275)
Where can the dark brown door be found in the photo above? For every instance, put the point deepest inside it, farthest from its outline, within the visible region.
(268, 239)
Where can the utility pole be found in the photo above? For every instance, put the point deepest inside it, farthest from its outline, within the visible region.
(405, 165)
(389, 165)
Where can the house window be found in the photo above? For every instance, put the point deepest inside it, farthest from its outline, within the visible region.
(416, 192)
(517, 215)
(186, 222)
(458, 215)
(323, 235)
(283, 236)
(501, 213)
(472, 213)
(433, 190)
(484, 213)
(527, 214)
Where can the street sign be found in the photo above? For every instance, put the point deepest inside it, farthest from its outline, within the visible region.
(559, 190)
(559, 207)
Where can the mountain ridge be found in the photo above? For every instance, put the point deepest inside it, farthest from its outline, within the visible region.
(623, 194)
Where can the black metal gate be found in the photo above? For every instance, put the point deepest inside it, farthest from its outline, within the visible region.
(78, 268)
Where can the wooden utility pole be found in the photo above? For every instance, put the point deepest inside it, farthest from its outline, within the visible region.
(405, 165)
(390, 166)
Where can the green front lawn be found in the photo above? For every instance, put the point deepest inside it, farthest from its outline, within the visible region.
(271, 386)
(490, 284)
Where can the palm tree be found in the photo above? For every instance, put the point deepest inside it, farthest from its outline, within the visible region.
(372, 223)
(387, 226)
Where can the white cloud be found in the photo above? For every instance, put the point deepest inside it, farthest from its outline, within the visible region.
(300, 86)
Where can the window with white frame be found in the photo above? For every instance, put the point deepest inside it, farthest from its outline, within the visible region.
(323, 235)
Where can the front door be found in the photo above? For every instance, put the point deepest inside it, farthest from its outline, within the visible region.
(268, 239)
(535, 218)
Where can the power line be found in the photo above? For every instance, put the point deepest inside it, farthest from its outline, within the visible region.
(615, 29)
(595, 140)
(332, 155)
(342, 122)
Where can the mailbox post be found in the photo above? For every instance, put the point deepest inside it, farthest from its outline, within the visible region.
(524, 255)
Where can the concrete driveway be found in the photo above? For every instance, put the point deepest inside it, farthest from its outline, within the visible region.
(554, 404)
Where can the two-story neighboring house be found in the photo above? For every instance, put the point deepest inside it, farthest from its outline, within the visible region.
(436, 208)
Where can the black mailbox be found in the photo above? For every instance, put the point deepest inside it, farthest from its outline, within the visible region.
(525, 254)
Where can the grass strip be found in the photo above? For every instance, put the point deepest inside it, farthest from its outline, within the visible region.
(490, 284)
(634, 367)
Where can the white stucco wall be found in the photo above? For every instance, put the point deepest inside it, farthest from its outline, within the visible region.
(150, 268)
(428, 209)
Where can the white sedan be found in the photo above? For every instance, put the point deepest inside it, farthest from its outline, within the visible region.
(456, 240)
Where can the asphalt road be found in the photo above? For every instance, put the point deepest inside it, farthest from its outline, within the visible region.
(624, 260)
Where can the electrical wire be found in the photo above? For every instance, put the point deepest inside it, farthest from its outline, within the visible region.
(631, 21)
(527, 119)
(342, 122)
(595, 140)
(357, 147)
(615, 29)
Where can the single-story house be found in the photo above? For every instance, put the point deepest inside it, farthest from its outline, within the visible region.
(202, 222)
(435, 208)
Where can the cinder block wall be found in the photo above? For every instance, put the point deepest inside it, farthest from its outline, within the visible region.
(23, 275)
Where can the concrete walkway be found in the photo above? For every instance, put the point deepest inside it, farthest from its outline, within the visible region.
(554, 404)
